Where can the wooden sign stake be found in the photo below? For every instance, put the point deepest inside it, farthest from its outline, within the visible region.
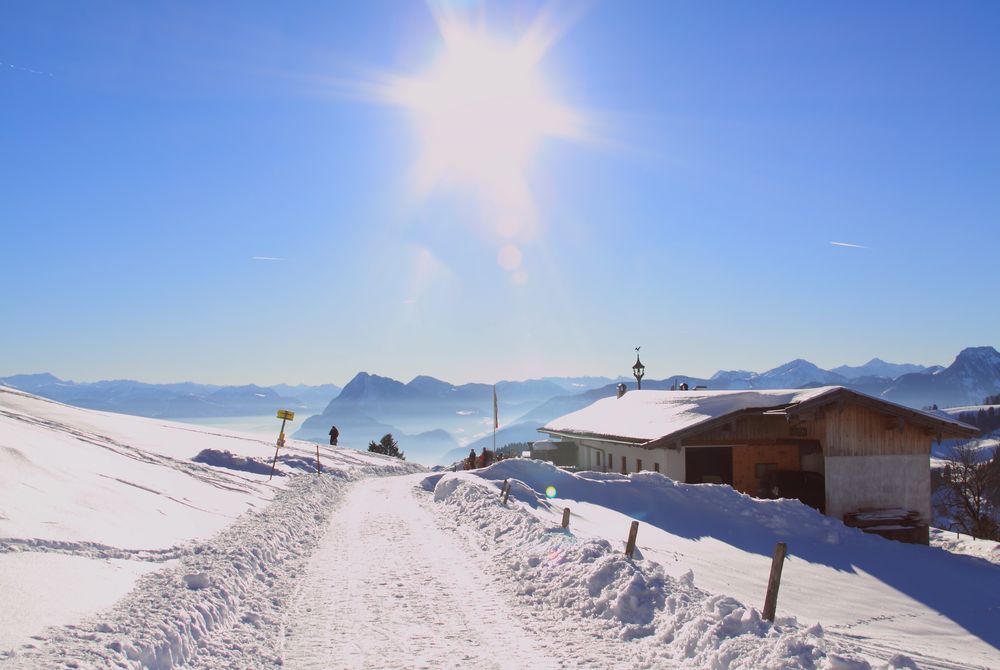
(565, 522)
(504, 487)
(630, 545)
(506, 493)
(771, 598)
(319, 468)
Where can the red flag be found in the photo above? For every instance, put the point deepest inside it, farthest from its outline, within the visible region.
(496, 414)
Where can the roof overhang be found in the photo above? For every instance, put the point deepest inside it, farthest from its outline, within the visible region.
(572, 435)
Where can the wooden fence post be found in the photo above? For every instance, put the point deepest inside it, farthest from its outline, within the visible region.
(503, 488)
(771, 599)
(565, 517)
(632, 532)
(506, 493)
(319, 468)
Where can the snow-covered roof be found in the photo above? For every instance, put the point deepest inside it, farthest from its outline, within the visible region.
(642, 416)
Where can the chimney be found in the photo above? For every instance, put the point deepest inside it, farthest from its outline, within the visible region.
(621, 390)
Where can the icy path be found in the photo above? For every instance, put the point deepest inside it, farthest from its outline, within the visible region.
(387, 588)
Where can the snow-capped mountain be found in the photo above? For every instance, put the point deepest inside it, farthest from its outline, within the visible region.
(796, 374)
(974, 374)
(791, 375)
(732, 379)
(876, 367)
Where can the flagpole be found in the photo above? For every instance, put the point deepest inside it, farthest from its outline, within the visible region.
(495, 418)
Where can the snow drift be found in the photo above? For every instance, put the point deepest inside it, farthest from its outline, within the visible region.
(878, 601)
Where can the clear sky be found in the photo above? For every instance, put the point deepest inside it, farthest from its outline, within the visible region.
(664, 174)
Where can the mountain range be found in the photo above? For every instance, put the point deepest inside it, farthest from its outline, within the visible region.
(175, 401)
(438, 422)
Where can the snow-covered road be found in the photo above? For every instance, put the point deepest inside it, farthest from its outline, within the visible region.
(387, 588)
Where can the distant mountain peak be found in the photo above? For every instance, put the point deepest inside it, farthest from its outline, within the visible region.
(428, 384)
(987, 355)
(368, 386)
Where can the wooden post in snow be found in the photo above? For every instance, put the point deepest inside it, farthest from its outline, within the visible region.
(565, 522)
(630, 545)
(771, 598)
(319, 468)
(504, 487)
(274, 461)
(506, 493)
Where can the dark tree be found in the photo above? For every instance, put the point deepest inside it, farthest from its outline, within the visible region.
(969, 492)
(388, 446)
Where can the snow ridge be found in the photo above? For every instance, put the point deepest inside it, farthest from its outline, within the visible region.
(668, 621)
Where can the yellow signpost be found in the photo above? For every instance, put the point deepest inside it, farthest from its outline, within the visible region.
(284, 415)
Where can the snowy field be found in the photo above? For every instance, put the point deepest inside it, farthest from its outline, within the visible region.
(131, 542)
(881, 601)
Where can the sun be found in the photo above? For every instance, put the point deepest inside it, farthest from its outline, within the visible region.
(482, 109)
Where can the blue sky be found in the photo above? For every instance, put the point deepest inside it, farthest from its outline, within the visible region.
(154, 152)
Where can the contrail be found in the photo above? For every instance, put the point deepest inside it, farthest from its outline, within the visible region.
(11, 66)
(848, 244)
(267, 258)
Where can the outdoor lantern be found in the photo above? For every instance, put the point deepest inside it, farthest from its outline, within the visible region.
(638, 370)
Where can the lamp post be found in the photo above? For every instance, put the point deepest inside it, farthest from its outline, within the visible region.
(638, 371)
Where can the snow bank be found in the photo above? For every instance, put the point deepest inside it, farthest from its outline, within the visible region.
(222, 602)
(673, 621)
(957, 543)
(232, 582)
(876, 597)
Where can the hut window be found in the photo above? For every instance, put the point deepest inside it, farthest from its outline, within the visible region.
(638, 465)
(624, 466)
(656, 467)
(762, 469)
(611, 463)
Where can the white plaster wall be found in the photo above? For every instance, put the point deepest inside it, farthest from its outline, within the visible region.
(671, 462)
(853, 482)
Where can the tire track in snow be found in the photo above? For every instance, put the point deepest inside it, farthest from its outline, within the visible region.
(387, 588)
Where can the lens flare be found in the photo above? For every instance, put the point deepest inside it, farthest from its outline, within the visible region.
(550, 492)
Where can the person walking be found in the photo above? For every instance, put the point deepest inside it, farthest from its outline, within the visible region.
(334, 434)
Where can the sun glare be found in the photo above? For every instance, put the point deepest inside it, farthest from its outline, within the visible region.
(482, 109)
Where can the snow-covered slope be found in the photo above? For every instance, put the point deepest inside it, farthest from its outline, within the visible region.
(90, 500)
(905, 605)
